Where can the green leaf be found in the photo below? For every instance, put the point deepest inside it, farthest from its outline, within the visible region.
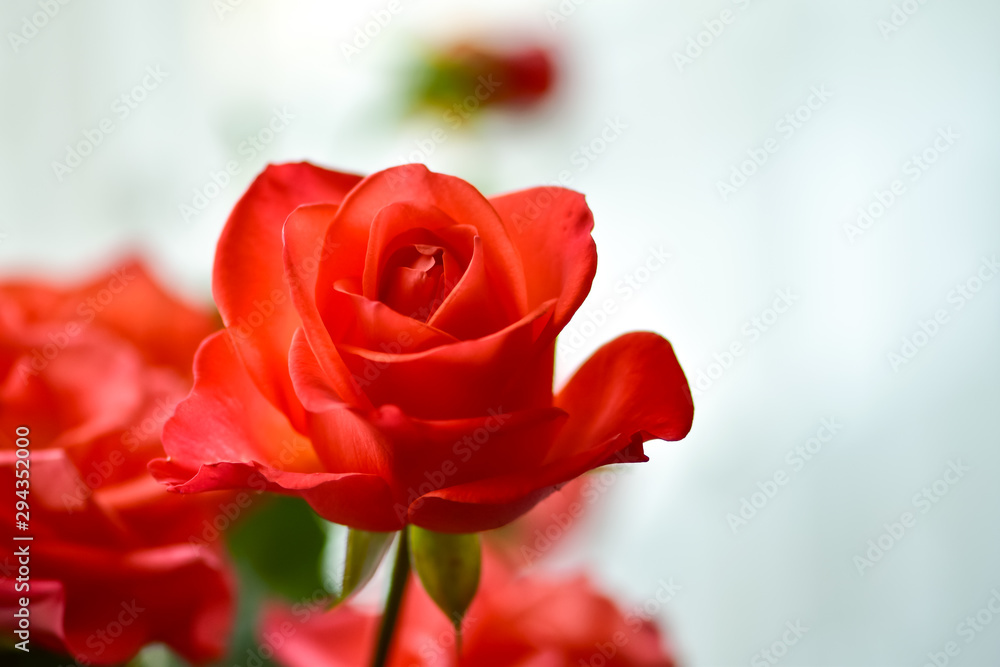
(282, 543)
(448, 567)
(351, 558)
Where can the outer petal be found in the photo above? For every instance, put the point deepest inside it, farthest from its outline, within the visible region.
(304, 232)
(351, 499)
(248, 280)
(630, 391)
(551, 229)
(226, 418)
(632, 386)
(430, 455)
(495, 502)
(225, 435)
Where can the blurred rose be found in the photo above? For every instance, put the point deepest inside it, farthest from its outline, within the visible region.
(539, 532)
(406, 325)
(92, 373)
(526, 621)
(467, 77)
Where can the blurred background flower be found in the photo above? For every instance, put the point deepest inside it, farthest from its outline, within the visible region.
(463, 78)
(112, 561)
(513, 622)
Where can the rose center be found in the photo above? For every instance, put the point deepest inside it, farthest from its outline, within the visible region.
(413, 281)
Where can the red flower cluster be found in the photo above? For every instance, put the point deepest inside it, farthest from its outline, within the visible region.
(88, 375)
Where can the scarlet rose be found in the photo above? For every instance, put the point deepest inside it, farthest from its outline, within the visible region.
(88, 375)
(514, 621)
(389, 352)
(468, 76)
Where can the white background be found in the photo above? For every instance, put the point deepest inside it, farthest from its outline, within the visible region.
(656, 185)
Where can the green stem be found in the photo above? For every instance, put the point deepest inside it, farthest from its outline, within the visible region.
(400, 574)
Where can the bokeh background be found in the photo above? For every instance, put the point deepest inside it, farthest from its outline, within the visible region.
(886, 79)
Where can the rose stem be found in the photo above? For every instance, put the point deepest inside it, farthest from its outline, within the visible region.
(400, 574)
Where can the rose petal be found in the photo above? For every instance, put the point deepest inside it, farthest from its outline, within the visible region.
(304, 233)
(248, 280)
(454, 198)
(429, 455)
(551, 228)
(469, 312)
(632, 386)
(226, 418)
(455, 381)
(495, 502)
(354, 320)
(351, 499)
(406, 223)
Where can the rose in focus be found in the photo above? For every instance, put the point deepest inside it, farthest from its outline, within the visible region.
(89, 375)
(389, 353)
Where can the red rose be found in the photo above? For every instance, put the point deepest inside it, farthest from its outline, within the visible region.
(526, 621)
(470, 76)
(405, 325)
(88, 376)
